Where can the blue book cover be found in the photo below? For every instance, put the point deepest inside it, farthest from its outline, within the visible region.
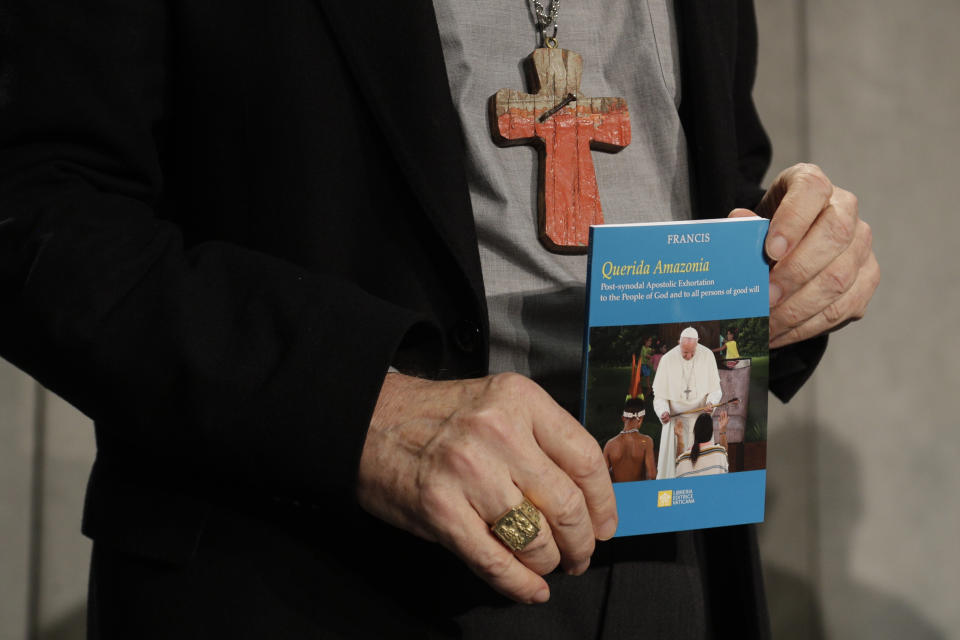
(675, 370)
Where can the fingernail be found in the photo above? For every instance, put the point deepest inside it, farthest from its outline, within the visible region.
(775, 294)
(541, 596)
(608, 529)
(580, 569)
(776, 247)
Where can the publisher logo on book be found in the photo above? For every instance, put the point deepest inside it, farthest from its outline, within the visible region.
(670, 498)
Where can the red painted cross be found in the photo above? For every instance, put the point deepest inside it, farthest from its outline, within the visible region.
(564, 125)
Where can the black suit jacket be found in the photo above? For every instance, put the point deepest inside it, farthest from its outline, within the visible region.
(220, 223)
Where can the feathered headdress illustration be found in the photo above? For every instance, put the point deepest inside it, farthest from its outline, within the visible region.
(635, 371)
(635, 398)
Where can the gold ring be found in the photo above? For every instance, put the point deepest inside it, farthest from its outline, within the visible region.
(519, 526)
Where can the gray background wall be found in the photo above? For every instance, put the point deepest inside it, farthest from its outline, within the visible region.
(863, 515)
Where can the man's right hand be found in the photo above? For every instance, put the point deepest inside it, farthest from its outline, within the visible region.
(445, 459)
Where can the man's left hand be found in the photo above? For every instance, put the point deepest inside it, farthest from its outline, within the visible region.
(825, 271)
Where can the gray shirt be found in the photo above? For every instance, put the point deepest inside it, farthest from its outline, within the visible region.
(629, 49)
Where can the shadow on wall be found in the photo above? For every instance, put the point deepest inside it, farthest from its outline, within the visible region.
(792, 598)
(861, 610)
(72, 626)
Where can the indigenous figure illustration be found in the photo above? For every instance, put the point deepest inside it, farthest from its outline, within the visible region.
(629, 454)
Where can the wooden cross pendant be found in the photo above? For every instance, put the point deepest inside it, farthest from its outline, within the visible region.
(564, 125)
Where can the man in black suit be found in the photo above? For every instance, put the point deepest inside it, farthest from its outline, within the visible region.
(221, 224)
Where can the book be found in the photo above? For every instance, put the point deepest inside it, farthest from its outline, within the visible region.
(677, 326)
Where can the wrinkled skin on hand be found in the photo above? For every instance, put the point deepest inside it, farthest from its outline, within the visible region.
(444, 459)
(825, 271)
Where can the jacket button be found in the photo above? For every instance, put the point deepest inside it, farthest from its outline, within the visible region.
(466, 335)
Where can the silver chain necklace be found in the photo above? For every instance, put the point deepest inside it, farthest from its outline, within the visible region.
(545, 20)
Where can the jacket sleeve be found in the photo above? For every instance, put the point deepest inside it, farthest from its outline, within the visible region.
(790, 366)
(211, 355)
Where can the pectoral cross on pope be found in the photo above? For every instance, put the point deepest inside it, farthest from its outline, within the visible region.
(564, 125)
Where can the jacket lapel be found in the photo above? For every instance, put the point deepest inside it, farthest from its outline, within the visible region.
(396, 57)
